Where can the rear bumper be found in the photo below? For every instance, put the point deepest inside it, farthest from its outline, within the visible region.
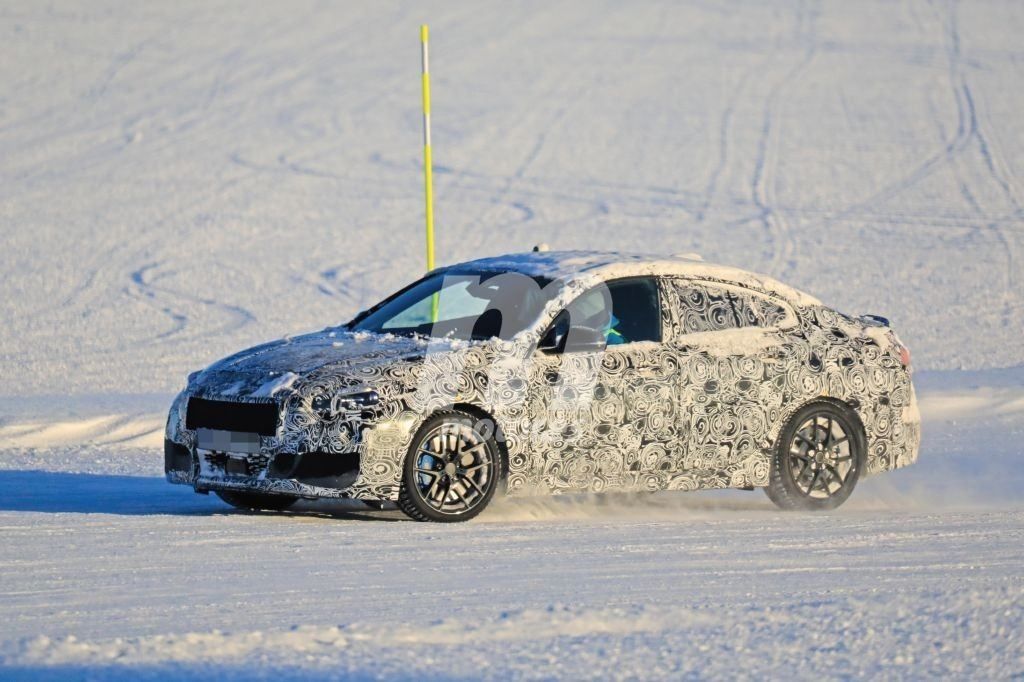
(911, 435)
(894, 434)
(310, 475)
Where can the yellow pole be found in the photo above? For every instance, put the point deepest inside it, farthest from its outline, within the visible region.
(428, 164)
(428, 175)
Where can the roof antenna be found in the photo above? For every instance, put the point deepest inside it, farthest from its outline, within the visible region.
(541, 248)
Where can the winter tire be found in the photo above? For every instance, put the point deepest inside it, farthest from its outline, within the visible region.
(451, 471)
(818, 458)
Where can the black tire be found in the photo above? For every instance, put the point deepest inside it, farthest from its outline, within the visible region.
(818, 458)
(256, 501)
(452, 469)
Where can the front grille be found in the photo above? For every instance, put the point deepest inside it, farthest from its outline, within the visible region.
(222, 415)
(252, 465)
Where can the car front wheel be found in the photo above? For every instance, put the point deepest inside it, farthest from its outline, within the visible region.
(818, 458)
(453, 467)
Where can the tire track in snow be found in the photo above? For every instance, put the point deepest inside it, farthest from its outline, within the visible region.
(118, 254)
(571, 100)
(357, 285)
(304, 158)
(976, 135)
(966, 132)
(950, 149)
(997, 170)
(496, 188)
(118, 64)
(763, 184)
(590, 193)
(124, 251)
(724, 135)
(170, 302)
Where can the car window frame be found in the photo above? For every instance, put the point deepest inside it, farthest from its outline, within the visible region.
(455, 270)
(790, 321)
(662, 330)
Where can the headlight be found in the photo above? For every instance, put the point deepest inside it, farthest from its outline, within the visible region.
(327, 406)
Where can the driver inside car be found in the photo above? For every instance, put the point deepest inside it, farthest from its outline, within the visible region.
(613, 336)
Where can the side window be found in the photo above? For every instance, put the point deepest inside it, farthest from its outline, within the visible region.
(704, 308)
(636, 314)
(772, 314)
(625, 311)
(754, 310)
(710, 308)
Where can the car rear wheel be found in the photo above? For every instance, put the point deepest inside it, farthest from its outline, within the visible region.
(451, 471)
(818, 458)
(256, 501)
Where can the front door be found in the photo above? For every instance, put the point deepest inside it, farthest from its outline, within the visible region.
(600, 403)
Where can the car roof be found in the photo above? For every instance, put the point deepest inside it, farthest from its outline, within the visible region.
(604, 265)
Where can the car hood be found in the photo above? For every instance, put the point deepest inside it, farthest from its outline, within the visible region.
(264, 371)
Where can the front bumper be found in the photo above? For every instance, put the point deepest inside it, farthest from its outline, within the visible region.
(309, 475)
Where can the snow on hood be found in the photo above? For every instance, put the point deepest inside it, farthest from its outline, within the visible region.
(268, 369)
(301, 354)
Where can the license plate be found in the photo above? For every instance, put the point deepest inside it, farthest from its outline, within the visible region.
(227, 441)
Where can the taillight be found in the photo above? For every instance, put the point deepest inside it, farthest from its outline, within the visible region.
(903, 350)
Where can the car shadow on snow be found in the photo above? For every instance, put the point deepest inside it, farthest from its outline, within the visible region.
(29, 490)
(82, 493)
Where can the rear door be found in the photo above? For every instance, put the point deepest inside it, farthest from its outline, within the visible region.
(732, 351)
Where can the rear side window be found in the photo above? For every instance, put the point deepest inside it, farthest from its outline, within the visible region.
(709, 308)
(704, 308)
(754, 310)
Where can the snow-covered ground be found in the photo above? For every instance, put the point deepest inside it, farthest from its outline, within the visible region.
(179, 181)
(109, 572)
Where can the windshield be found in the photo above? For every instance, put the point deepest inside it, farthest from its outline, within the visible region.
(461, 305)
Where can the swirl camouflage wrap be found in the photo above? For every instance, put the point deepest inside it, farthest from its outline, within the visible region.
(689, 394)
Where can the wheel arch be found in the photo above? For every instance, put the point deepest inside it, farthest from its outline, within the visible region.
(479, 413)
(779, 489)
(499, 435)
(851, 407)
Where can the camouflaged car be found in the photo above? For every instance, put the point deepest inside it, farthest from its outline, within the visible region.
(555, 372)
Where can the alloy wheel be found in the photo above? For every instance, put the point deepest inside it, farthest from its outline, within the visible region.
(454, 468)
(821, 460)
